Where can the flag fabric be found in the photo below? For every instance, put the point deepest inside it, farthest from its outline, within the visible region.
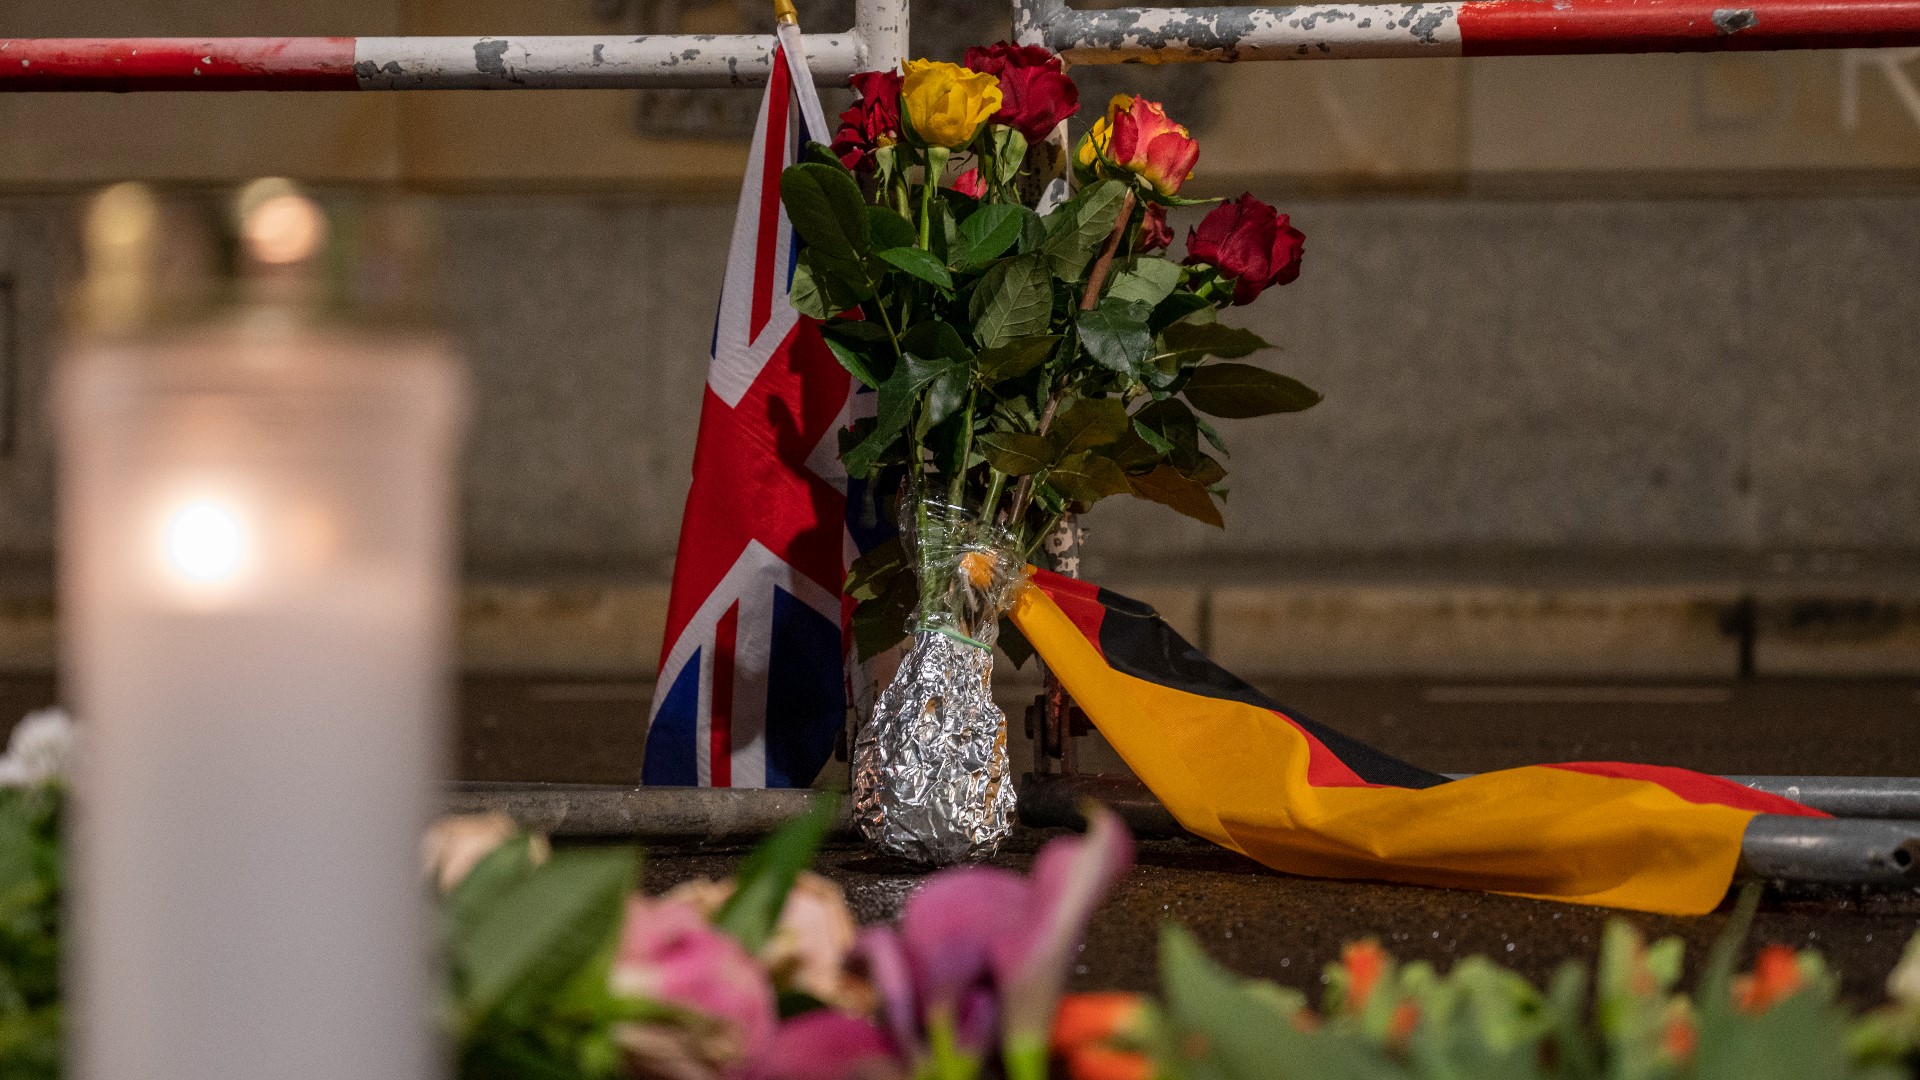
(751, 691)
(1258, 778)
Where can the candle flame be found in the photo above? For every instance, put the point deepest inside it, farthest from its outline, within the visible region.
(206, 542)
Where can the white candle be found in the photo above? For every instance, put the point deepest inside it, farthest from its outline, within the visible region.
(255, 547)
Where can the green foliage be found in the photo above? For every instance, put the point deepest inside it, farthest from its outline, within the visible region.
(1026, 365)
(767, 875)
(1384, 1021)
(29, 933)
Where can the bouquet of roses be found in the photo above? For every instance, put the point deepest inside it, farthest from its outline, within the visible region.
(1031, 352)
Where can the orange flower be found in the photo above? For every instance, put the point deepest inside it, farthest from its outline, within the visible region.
(1406, 1017)
(1137, 137)
(1679, 1037)
(1365, 962)
(1106, 1063)
(1083, 1019)
(1775, 978)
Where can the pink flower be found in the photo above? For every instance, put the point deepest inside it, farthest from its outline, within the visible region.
(980, 949)
(828, 1045)
(669, 953)
(968, 183)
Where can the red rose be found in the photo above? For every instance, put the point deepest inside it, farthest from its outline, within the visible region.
(969, 183)
(1155, 233)
(1250, 242)
(873, 122)
(1035, 94)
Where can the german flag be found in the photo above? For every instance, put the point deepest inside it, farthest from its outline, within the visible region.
(1251, 775)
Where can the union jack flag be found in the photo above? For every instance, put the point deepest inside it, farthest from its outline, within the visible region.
(752, 691)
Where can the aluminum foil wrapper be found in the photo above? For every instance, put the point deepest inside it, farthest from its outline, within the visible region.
(931, 778)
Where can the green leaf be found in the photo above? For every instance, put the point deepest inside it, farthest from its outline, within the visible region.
(1087, 477)
(890, 229)
(935, 340)
(1239, 391)
(1212, 436)
(1115, 334)
(919, 263)
(881, 623)
(892, 411)
(827, 210)
(1148, 281)
(988, 232)
(1242, 1037)
(1173, 422)
(1013, 300)
(1166, 486)
(492, 877)
(767, 874)
(1014, 359)
(1009, 151)
(1188, 343)
(1088, 423)
(862, 347)
(1016, 454)
(823, 288)
(1178, 306)
(945, 395)
(532, 938)
(872, 573)
(1152, 438)
(1080, 226)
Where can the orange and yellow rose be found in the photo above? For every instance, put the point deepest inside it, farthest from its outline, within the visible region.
(946, 103)
(1137, 138)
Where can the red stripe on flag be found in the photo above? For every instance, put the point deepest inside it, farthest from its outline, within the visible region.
(1696, 787)
(121, 64)
(720, 729)
(778, 106)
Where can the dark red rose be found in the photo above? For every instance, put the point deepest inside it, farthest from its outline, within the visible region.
(1250, 242)
(873, 122)
(1035, 94)
(1001, 55)
(1155, 233)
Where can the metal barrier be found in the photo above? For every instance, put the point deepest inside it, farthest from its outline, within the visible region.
(878, 39)
(1471, 28)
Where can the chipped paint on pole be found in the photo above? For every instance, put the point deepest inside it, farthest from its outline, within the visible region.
(1468, 27)
(585, 63)
(1307, 32)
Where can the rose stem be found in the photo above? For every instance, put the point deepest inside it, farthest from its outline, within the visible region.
(1105, 262)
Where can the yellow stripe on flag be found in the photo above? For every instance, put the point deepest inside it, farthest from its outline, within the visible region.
(1236, 774)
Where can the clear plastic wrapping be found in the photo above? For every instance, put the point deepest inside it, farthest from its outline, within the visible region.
(932, 780)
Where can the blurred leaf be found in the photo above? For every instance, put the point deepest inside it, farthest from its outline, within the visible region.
(1115, 334)
(988, 232)
(1014, 359)
(1149, 281)
(890, 229)
(821, 153)
(530, 940)
(503, 868)
(1167, 487)
(919, 263)
(767, 874)
(1088, 423)
(1016, 454)
(1014, 300)
(1239, 391)
(1079, 227)
(1087, 477)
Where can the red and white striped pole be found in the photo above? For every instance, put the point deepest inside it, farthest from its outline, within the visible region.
(1109, 35)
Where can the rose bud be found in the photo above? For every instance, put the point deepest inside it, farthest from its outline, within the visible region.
(1137, 137)
(1155, 233)
(1250, 242)
(946, 104)
(969, 184)
(1035, 93)
(873, 122)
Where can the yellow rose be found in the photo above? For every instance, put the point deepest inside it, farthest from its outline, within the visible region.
(946, 103)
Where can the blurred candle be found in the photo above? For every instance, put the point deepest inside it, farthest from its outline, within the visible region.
(255, 544)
